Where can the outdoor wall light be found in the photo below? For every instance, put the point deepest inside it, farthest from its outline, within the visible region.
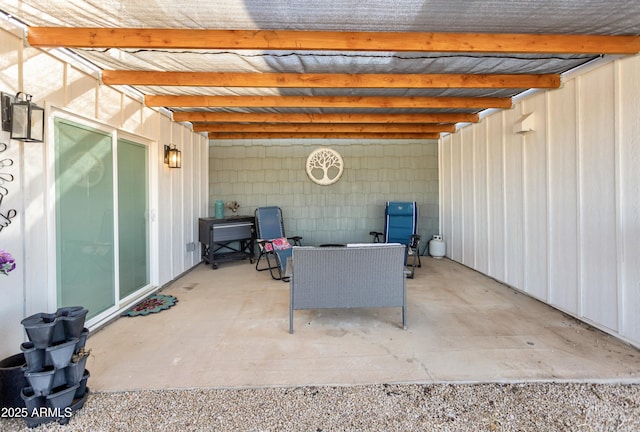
(21, 117)
(172, 156)
(525, 125)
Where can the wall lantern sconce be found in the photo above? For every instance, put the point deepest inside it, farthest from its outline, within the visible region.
(21, 117)
(172, 156)
(525, 125)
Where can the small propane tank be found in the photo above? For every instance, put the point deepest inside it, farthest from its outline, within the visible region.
(437, 247)
(219, 209)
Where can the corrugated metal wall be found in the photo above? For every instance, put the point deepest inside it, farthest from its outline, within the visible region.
(555, 212)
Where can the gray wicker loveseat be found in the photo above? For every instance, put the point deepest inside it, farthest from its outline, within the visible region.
(355, 276)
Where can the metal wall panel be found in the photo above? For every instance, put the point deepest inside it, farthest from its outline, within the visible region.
(563, 203)
(176, 208)
(597, 197)
(481, 220)
(628, 92)
(563, 198)
(468, 194)
(446, 207)
(496, 196)
(190, 208)
(514, 205)
(165, 205)
(535, 199)
(456, 235)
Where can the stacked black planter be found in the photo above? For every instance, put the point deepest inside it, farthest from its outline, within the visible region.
(55, 365)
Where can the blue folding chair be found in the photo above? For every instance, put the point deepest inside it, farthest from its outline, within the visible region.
(273, 243)
(401, 226)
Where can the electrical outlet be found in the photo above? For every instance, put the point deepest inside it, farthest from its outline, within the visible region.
(191, 247)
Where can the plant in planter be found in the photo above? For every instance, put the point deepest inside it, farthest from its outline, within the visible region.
(7, 262)
(75, 369)
(80, 354)
(233, 206)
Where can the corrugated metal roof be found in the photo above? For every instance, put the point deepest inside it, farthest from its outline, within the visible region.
(592, 17)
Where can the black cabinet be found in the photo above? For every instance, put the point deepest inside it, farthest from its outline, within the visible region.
(226, 239)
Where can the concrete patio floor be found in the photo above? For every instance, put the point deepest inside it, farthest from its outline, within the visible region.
(229, 329)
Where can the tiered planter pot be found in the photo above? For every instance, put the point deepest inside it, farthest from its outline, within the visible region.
(32, 401)
(33, 356)
(82, 385)
(41, 382)
(40, 329)
(72, 321)
(75, 370)
(55, 365)
(59, 355)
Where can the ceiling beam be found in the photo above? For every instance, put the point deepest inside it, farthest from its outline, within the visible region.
(222, 117)
(293, 80)
(323, 127)
(322, 135)
(327, 40)
(328, 101)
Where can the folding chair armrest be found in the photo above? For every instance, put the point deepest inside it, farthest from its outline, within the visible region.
(414, 240)
(376, 236)
(297, 240)
(262, 242)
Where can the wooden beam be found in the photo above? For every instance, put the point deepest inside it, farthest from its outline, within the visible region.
(292, 80)
(222, 117)
(328, 101)
(323, 127)
(322, 135)
(327, 40)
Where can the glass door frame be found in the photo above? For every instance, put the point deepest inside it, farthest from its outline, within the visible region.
(50, 172)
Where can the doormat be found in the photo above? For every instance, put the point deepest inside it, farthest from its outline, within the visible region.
(152, 304)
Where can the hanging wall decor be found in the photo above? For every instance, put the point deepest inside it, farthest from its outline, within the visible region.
(7, 262)
(324, 166)
(5, 215)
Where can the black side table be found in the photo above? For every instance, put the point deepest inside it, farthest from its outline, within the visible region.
(227, 239)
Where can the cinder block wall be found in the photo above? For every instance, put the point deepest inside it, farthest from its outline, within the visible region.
(272, 173)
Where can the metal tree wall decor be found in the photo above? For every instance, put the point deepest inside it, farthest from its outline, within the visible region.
(324, 166)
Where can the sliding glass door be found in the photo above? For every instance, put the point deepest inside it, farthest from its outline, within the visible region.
(85, 254)
(133, 228)
(102, 233)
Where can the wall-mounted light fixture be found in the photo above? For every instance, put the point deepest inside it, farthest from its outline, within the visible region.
(21, 117)
(172, 156)
(525, 125)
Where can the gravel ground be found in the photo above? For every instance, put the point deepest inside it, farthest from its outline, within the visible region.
(410, 407)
